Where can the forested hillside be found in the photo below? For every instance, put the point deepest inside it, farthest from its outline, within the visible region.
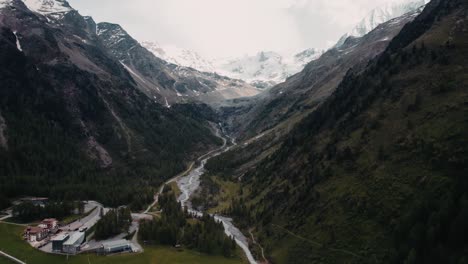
(377, 173)
(74, 125)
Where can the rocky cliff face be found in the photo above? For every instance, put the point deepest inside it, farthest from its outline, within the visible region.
(165, 82)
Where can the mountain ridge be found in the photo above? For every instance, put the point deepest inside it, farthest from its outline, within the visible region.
(71, 114)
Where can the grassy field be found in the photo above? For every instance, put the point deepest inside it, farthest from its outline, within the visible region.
(11, 243)
(175, 188)
(228, 191)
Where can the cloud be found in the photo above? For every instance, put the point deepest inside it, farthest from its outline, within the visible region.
(220, 28)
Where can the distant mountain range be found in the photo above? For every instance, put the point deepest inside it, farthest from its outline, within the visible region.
(269, 68)
(262, 70)
(266, 68)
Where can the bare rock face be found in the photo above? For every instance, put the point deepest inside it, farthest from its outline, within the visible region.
(3, 128)
(163, 81)
(98, 153)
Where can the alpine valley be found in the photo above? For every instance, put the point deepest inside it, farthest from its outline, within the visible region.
(119, 151)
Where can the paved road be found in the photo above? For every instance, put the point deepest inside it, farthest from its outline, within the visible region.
(12, 258)
(90, 220)
(5, 217)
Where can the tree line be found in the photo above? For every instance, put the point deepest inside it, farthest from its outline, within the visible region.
(115, 222)
(203, 234)
(27, 211)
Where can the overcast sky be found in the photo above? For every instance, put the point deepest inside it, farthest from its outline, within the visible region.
(226, 28)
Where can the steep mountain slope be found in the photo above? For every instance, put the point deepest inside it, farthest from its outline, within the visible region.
(165, 82)
(377, 173)
(381, 15)
(286, 103)
(73, 123)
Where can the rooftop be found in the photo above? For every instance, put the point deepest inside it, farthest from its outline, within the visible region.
(116, 243)
(49, 220)
(60, 237)
(35, 229)
(74, 237)
(34, 199)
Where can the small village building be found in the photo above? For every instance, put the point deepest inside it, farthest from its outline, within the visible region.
(115, 247)
(35, 234)
(58, 241)
(41, 201)
(49, 224)
(73, 243)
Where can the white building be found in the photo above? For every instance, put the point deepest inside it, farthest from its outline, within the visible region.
(115, 246)
(73, 244)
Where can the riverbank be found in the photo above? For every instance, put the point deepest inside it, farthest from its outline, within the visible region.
(189, 185)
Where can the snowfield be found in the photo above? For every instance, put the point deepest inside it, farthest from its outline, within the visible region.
(46, 7)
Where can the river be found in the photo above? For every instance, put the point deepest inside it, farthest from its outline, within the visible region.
(190, 183)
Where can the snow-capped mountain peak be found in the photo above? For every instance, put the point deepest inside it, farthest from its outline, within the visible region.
(115, 32)
(381, 15)
(301, 59)
(178, 56)
(266, 68)
(46, 7)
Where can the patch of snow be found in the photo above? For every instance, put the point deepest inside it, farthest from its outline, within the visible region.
(167, 103)
(18, 44)
(382, 14)
(132, 72)
(178, 94)
(81, 39)
(385, 39)
(100, 30)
